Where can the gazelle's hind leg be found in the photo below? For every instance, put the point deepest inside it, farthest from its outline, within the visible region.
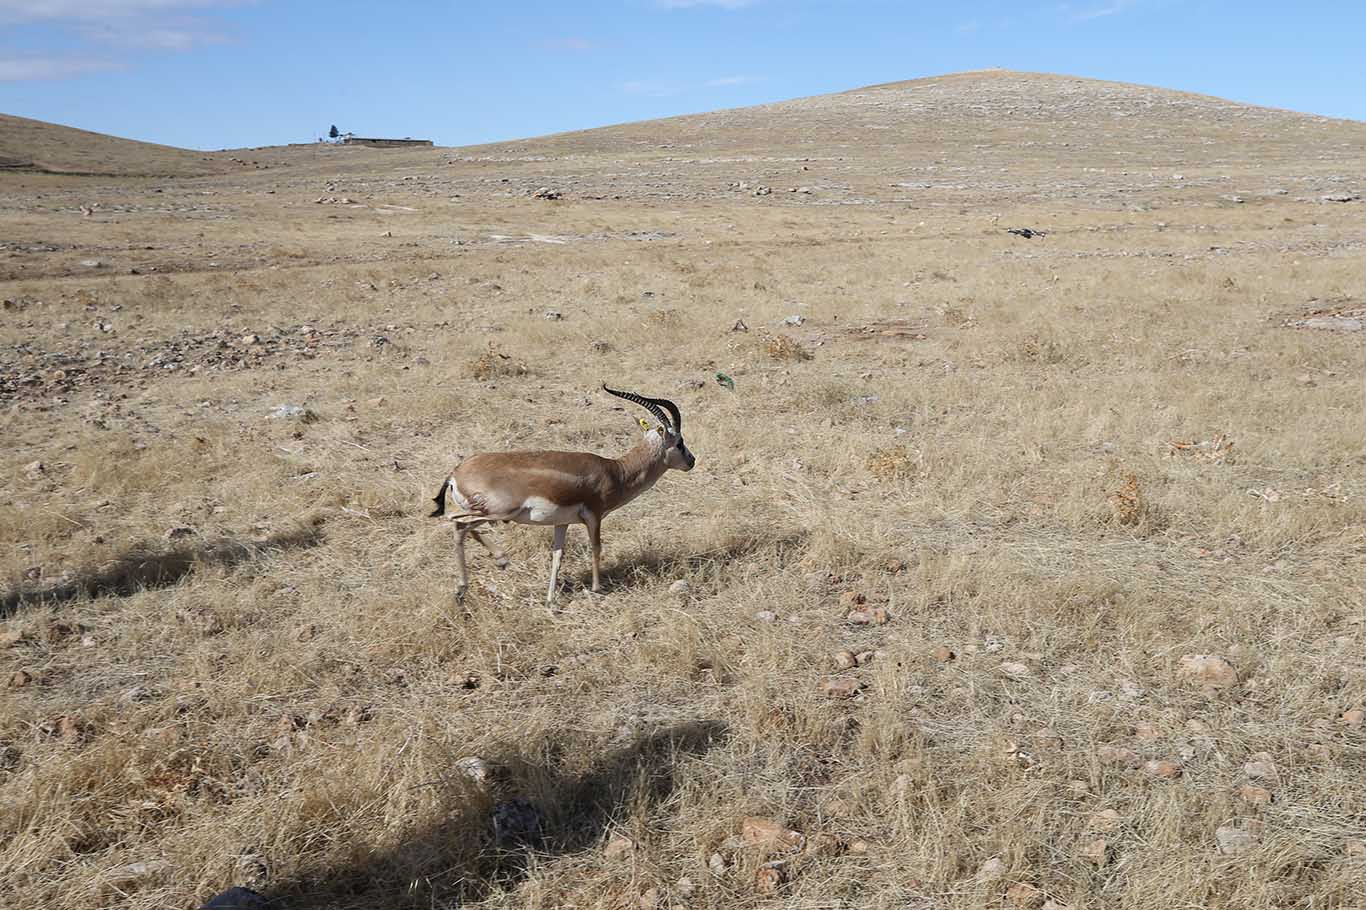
(499, 560)
(594, 525)
(464, 585)
(556, 554)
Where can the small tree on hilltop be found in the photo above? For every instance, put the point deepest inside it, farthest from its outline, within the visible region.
(333, 133)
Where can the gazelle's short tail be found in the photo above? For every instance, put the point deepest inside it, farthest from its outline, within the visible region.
(440, 500)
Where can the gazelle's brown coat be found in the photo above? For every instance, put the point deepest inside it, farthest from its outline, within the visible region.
(557, 489)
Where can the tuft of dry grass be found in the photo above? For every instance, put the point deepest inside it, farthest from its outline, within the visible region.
(784, 349)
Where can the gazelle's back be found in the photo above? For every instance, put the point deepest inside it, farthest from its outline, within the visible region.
(511, 483)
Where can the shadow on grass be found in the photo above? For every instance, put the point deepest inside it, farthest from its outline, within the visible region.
(146, 568)
(484, 844)
(656, 566)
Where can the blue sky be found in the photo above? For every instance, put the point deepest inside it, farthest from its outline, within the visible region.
(230, 73)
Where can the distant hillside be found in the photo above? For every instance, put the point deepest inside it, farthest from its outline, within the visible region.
(34, 144)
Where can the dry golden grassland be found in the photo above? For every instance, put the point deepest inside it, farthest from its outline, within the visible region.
(947, 544)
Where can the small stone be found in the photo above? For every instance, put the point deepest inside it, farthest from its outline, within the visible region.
(1162, 768)
(1014, 669)
(91, 264)
(553, 315)
(1147, 732)
(943, 654)
(1118, 756)
(767, 834)
(1353, 717)
(859, 846)
(895, 566)
(851, 599)
(20, 678)
(991, 870)
(717, 864)
(841, 686)
(1261, 766)
(1237, 837)
(1095, 851)
(769, 877)
(879, 616)
(1079, 787)
(685, 887)
(619, 847)
(474, 768)
(1024, 895)
(1355, 848)
(136, 872)
(251, 339)
(1106, 821)
(766, 616)
(845, 660)
(1210, 671)
(864, 658)
(1258, 796)
(680, 587)
(859, 617)
(824, 845)
(649, 899)
(35, 469)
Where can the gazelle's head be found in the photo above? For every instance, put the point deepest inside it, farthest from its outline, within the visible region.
(666, 436)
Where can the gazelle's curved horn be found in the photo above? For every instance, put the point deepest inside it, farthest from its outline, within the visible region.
(650, 404)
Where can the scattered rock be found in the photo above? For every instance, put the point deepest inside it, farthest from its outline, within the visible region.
(680, 587)
(1328, 197)
(91, 264)
(762, 190)
(1095, 851)
(136, 873)
(1353, 717)
(739, 326)
(1024, 895)
(769, 877)
(1210, 671)
(1261, 766)
(766, 616)
(794, 319)
(649, 899)
(717, 864)
(841, 686)
(895, 566)
(685, 887)
(20, 678)
(1015, 670)
(1118, 756)
(545, 192)
(1163, 768)
(293, 412)
(845, 660)
(1258, 796)
(859, 617)
(943, 654)
(1147, 732)
(1026, 233)
(619, 847)
(1106, 821)
(554, 315)
(35, 469)
(1239, 836)
(474, 768)
(851, 599)
(992, 870)
(769, 835)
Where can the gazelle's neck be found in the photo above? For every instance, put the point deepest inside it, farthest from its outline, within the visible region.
(640, 468)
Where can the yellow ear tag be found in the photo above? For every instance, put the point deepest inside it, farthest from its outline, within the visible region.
(644, 424)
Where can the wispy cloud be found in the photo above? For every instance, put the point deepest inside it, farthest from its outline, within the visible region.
(571, 43)
(91, 36)
(1113, 8)
(96, 10)
(663, 88)
(729, 81)
(42, 69)
(967, 28)
(689, 4)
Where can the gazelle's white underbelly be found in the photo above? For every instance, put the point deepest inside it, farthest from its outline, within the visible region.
(533, 510)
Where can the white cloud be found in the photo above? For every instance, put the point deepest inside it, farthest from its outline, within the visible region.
(39, 69)
(181, 35)
(967, 28)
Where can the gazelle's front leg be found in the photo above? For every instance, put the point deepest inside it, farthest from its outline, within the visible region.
(556, 554)
(594, 525)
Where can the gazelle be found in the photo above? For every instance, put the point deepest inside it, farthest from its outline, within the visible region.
(560, 488)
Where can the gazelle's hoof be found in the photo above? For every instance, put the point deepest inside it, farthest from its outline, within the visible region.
(460, 595)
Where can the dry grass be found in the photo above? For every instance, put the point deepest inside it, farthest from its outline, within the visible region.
(232, 650)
